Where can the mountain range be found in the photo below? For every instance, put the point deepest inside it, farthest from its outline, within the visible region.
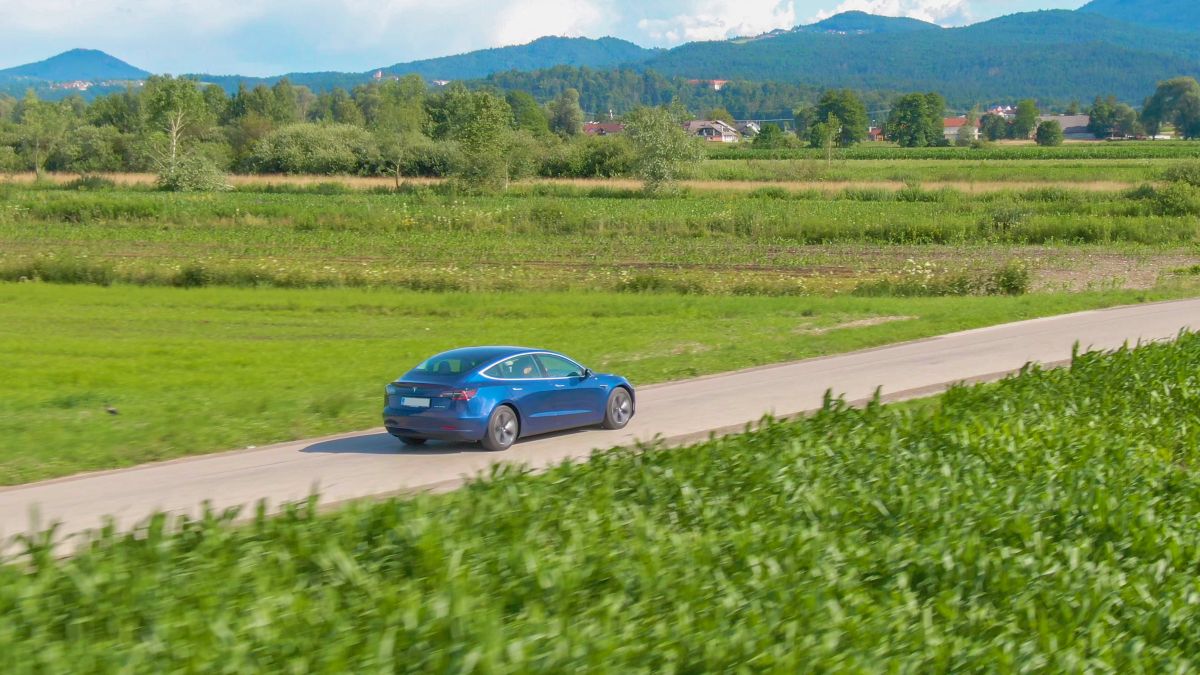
(1122, 47)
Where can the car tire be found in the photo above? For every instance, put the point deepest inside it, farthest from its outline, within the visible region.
(412, 440)
(503, 429)
(618, 410)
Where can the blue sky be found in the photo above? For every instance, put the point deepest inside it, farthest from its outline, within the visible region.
(267, 37)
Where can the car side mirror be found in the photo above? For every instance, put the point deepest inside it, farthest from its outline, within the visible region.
(587, 372)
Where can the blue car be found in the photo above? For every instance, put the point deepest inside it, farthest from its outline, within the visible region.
(495, 395)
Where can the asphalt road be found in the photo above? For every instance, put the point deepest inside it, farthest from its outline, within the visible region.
(371, 462)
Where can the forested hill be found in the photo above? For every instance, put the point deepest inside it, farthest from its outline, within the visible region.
(1181, 15)
(1055, 56)
(861, 22)
(77, 64)
(545, 52)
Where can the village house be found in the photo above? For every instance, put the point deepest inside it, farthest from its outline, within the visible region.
(603, 128)
(714, 131)
(951, 126)
(749, 128)
(715, 85)
(1075, 127)
(876, 134)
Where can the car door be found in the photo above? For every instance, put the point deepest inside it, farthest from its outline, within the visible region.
(519, 379)
(573, 400)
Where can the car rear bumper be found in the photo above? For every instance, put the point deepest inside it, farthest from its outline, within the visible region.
(443, 428)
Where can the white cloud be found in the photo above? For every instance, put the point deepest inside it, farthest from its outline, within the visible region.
(720, 19)
(526, 20)
(945, 12)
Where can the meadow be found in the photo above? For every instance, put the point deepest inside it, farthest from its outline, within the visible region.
(1045, 523)
(560, 238)
(207, 369)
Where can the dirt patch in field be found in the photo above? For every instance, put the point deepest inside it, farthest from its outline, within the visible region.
(826, 187)
(846, 325)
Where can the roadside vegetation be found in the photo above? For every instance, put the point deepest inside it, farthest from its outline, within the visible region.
(1046, 522)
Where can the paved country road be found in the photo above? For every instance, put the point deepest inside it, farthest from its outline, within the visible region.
(372, 463)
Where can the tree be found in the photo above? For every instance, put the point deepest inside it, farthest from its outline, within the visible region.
(1109, 117)
(969, 131)
(916, 120)
(720, 113)
(480, 123)
(1026, 120)
(850, 112)
(993, 127)
(661, 147)
(43, 128)
(176, 107)
(771, 137)
(1073, 108)
(527, 113)
(1175, 102)
(566, 117)
(825, 135)
(1049, 133)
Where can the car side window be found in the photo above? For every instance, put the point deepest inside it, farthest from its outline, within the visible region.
(556, 366)
(516, 368)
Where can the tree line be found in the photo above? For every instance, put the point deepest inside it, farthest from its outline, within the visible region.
(189, 134)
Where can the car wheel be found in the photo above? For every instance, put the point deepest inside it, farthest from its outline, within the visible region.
(412, 440)
(503, 427)
(619, 409)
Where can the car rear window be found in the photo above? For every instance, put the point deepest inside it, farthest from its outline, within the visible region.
(446, 366)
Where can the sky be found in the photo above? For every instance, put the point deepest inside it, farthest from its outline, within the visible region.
(271, 37)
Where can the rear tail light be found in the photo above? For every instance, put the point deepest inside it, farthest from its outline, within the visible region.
(461, 394)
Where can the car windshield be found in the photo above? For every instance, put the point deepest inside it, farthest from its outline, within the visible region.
(449, 364)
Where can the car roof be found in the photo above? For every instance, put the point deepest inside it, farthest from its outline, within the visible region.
(487, 353)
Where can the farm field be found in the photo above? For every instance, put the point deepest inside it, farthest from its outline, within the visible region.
(200, 370)
(556, 238)
(1044, 522)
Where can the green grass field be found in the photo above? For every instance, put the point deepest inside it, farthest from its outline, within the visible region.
(200, 370)
(1047, 523)
(549, 238)
(964, 170)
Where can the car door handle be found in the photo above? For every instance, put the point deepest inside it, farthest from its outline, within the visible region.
(559, 386)
(518, 389)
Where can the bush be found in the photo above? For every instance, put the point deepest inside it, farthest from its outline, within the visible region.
(316, 149)
(1187, 172)
(191, 173)
(1176, 199)
(90, 182)
(1049, 134)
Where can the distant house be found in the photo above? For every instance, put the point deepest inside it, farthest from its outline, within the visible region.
(603, 128)
(952, 125)
(1005, 111)
(876, 134)
(1075, 127)
(715, 85)
(748, 128)
(441, 83)
(714, 131)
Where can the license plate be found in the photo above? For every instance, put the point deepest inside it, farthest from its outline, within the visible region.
(411, 402)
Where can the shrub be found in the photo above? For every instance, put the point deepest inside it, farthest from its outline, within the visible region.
(1176, 199)
(191, 173)
(90, 182)
(1187, 172)
(1049, 134)
(316, 149)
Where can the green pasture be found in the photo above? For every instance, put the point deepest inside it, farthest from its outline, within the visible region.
(199, 370)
